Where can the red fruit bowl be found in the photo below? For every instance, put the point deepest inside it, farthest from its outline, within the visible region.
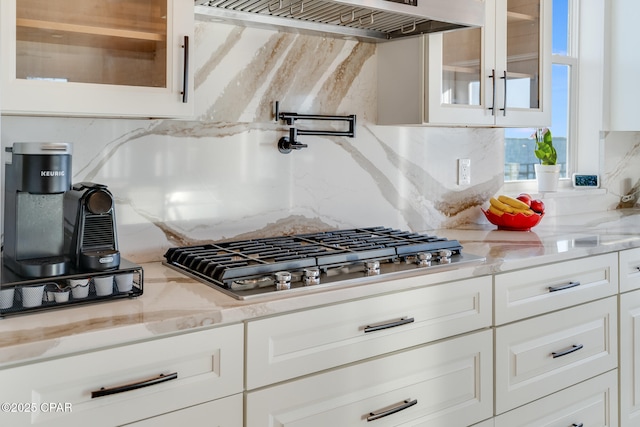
(513, 222)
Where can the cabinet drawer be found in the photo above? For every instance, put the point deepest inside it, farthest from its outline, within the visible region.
(301, 343)
(593, 401)
(444, 384)
(630, 359)
(629, 270)
(525, 293)
(226, 412)
(207, 365)
(540, 356)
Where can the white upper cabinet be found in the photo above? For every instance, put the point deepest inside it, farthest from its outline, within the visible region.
(124, 58)
(624, 63)
(497, 75)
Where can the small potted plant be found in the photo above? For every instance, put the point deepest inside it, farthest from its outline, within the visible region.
(547, 171)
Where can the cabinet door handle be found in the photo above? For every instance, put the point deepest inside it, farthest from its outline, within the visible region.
(493, 102)
(134, 386)
(577, 425)
(563, 287)
(380, 326)
(185, 70)
(504, 77)
(566, 351)
(384, 413)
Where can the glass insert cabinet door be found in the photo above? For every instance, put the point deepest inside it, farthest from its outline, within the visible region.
(499, 70)
(68, 56)
(92, 41)
(522, 88)
(462, 67)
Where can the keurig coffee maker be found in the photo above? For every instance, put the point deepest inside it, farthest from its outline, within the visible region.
(90, 227)
(36, 180)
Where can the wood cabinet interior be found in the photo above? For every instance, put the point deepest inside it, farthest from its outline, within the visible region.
(461, 50)
(461, 66)
(92, 41)
(523, 34)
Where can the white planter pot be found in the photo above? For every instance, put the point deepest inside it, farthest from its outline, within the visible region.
(547, 177)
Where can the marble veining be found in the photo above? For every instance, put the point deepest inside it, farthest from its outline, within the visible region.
(220, 175)
(173, 303)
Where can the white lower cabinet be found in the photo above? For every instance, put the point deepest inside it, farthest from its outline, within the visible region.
(630, 359)
(591, 403)
(226, 412)
(542, 355)
(124, 384)
(629, 270)
(447, 383)
(295, 344)
(539, 290)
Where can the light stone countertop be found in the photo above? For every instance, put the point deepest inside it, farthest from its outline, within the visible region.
(173, 303)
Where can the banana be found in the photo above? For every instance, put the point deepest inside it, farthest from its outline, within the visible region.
(500, 205)
(495, 211)
(505, 204)
(526, 212)
(514, 203)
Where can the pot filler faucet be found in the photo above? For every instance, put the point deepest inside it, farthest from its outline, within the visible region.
(286, 144)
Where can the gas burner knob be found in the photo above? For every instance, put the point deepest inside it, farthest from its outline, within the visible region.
(372, 268)
(283, 280)
(311, 276)
(444, 253)
(423, 259)
(444, 256)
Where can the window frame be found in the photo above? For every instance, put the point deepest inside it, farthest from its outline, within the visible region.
(572, 60)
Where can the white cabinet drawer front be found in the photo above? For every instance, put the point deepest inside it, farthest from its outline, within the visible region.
(207, 364)
(526, 293)
(590, 403)
(226, 412)
(296, 344)
(630, 359)
(629, 270)
(539, 356)
(444, 384)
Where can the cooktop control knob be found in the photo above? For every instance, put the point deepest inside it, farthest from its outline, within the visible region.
(423, 259)
(283, 280)
(311, 276)
(371, 268)
(445, 256)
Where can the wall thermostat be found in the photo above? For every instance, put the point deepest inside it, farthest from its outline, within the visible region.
(583, 180)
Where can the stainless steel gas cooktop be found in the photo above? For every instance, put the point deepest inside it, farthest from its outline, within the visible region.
(258, 267)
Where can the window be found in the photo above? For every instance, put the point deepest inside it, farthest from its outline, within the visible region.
(519, 146)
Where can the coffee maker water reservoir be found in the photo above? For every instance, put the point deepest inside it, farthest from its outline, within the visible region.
(35, 183)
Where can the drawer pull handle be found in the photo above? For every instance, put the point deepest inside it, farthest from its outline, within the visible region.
(577, 425)
(380, 326)
(569, 350)
(563, 287)
(386, 412)
(133, 386)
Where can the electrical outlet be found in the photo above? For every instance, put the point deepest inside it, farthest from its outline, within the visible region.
(464, 171)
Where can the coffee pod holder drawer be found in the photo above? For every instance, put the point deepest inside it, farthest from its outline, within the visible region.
(70, 290)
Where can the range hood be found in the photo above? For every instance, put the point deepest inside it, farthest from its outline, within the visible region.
(367, 20)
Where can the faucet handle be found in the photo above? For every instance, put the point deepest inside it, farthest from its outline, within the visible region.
(285, 145)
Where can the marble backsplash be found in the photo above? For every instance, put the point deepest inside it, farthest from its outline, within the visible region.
(221, 176)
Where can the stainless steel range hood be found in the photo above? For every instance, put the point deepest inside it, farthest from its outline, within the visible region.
(368, 20)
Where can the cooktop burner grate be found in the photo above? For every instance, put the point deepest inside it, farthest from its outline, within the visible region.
(251, 264)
